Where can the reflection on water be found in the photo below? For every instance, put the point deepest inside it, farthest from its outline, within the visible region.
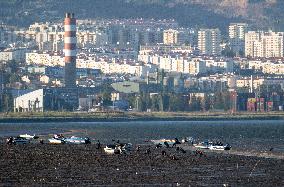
(244, 134)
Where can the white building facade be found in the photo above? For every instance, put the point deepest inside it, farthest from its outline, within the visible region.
(264, 44)
(209, 41)
(237, 36)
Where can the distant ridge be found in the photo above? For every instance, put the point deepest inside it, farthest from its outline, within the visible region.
(203, 13)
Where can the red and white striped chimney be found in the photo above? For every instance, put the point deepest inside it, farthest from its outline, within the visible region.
(70, 53)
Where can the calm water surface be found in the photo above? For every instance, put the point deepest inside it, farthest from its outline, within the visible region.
(243, 134)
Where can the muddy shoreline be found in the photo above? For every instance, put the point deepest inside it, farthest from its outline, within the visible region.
(134, 116)
(126, 119)
(84, 165)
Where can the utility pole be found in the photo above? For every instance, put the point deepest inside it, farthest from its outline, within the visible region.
(258, 98)
(137, 102)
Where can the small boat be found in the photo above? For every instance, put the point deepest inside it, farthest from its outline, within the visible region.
(28, 137)
(202, 145)
(57, 139)
(112, 149)
(212, 146)
(17, 140)
(166, 142)
(78, 140)
(126, 147)
(118, 148)
(219, 146)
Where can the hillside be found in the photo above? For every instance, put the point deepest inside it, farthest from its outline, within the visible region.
(204, 13)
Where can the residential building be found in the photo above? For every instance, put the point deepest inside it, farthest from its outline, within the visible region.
(209, 41)
(264, 44)
(237, 36)
(170, 37)
(197, 66)
(13, 54)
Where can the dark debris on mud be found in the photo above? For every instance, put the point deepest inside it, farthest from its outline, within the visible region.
(84, 165)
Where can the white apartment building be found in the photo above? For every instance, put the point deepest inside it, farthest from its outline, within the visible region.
(268, 67)
(253, 46)
(209, 41)
(264, 44)
(170, 37)
(53, 40)
(273, 44)
(197, 66)
(44, 59)
(254, 83)
(106, 66)
(226, 66)
(188, 65)
(13, 54)
(183, 65)
(237, 36)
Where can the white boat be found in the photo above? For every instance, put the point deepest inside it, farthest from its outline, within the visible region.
(28, 137)
(166, 142)
(212, 146)
(112, 149)
(118, 148)
(202, 145)
(77, 140)
(125, 147)
(219, 147)
(56, 141)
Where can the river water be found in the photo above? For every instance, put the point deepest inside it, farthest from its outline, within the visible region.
(253, 134)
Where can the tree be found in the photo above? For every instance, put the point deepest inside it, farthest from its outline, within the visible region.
(161, 102)
(228, 53)
(226, 100)
(205, 103)
(195, 104)
(139, 103)
(177, 102)
(147, 101)
(14, 78)
(155, 103)
(222, 101)
(218, 101)
(172, 102)
(13, 65)
(132, 101)
(7, 104)
(106, 97)
(106, 94)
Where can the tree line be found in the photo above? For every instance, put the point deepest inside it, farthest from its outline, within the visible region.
(174, 102)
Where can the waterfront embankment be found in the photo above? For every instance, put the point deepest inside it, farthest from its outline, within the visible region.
(135, 116)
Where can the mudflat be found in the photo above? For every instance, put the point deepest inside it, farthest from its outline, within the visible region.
(85, 165)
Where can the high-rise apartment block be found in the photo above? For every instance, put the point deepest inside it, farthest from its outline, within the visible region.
(180, 37)
(264, 44)
(209, 41)
(70, 42)
(170, 37)
(237, 33)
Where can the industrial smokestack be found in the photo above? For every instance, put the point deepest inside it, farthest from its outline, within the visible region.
(70, 42)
